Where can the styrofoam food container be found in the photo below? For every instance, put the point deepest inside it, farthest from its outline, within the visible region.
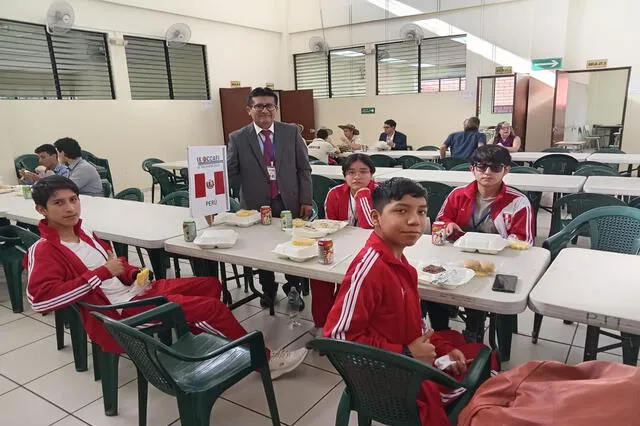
(483, 243)
(235, 220)
(452, 278)
(296, 253)
(216, 238)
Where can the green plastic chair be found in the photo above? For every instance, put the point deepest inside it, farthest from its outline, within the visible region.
(101, 165)
(556, 164)
(614, 150)
(26, 161)
(196, 369)
(635, 202)
(14, 243)
(383, 386)
(449, 162)
(555, 149)
(318, 162)
(131, 194)
(437, 193)
(534, 197)
(177, 198)
(427, 165)
(463, 167)
(429, 148)
(321, 186)
(595, 171)
(524, 170)
(107, 189)
(382, 160)
(571, 206)
(593, 163)
(167, 180)
(312, 158)
(610, 228)
(406, 161)
(146, 166)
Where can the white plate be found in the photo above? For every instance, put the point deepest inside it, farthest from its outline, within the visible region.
(296, 253)
(483, 243)
(453, 276)
(216, 238)
(328, 225)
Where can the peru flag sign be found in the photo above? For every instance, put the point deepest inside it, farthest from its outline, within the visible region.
(208, 180)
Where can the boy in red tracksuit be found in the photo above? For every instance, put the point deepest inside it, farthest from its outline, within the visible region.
(378, 302)
(70, 264)
(350, 201)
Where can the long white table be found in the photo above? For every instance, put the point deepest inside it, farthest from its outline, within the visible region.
(335, 172)
(615, 158)
(524, 182)
(533, 156)
(594, 287)
(613, 185)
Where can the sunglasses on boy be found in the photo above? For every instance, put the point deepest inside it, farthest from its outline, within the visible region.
(495, 168)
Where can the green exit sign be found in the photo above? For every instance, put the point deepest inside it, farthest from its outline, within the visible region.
(546, 64)
(368, 110)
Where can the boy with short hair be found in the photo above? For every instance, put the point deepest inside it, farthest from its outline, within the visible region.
(378, 302)
(70, 264)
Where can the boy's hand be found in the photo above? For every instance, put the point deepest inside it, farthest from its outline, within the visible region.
(422, 350)
(452, 228)
(210, 218)
(114, 265)
(460, 367)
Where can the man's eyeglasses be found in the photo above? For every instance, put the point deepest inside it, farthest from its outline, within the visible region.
(495, 168)
(260, 107)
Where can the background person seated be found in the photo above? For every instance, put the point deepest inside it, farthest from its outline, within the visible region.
(49, 165)
(351, 139)
(395, 140)
(320, 148)
(462, 144)
(81, 172)
(506, 137)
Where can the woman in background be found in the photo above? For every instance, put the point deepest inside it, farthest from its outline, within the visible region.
(506, 138)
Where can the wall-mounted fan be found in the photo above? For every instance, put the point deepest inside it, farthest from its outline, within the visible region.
(60, 17)
(178, 35)
(318, 44)
(413, 33)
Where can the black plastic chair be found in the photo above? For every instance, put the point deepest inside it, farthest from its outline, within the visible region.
(321, 186)
(131, 194)
(437, 193)
(462, 167)
(146, 166)
(614, 150)
(382, 160)
(449, 162)
(556, 164)
(167, 180)
(429, 148)
(406, 161)
(107, 189)
(101, 165)
(595, 171)
(427, 165)
(26, 161)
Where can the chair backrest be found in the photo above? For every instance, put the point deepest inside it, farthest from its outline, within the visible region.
(450, 162)
(381, 384)
(106, 188)
(569, 207)
(317, 162)
(312, 158)
(321, 186)
(406, 161)
(610, 228)
(635, 202)
(96, 161)
(524, 169)
(463, 167)
(427, 165)
(437, 193)
(596, 171)
(556, 164)
(165, 178)
(555, 149)
(18, 236)
(610, 150)
(428, 148)
(234, 204)
(592, 163)
(147, 162)
(26, 161)
(381, 160)
(131, 194)
(178, 198)
(314, 211)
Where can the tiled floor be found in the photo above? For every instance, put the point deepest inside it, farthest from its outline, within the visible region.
(39, 386)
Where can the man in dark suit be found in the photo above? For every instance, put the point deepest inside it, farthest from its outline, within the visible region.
(397, 141)
(268, 165)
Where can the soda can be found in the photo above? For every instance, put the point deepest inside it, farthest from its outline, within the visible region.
(189, 230)
(325, 251)
(286, 219)
(438, 234)
(26, 191)
(265, 215)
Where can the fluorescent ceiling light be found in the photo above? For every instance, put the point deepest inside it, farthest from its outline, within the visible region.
(348, 53)
(392, 60)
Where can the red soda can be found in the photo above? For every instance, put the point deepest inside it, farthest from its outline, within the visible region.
(438, 234)
(265, 215)
(325, 251)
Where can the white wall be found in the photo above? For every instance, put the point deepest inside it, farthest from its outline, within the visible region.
(607, 90)
(127, 131)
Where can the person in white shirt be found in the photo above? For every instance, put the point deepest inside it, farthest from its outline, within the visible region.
(320, 148)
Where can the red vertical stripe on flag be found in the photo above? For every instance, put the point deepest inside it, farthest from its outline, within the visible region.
(218, 179)
(200, 187)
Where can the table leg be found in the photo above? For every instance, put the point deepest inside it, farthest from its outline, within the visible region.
(591, 343)
(630, 347)
(505, 326)
(474, 331)
(158, 259)
(255, 294)
(122, 250)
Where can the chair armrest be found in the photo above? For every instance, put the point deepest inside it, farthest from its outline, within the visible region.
(559, 240)
(158, 300)
(479, 368)
(168, 314)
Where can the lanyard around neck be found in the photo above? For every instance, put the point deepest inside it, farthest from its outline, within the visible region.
(482, 220)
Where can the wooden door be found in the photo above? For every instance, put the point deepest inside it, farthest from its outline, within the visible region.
(296, 106)
(233, 104)
(559, 106)
(521, 107)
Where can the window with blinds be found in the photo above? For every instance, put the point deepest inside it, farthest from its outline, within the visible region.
(503, 88)
(312, 72)
(437, 65)
(160, 72)
(82, 66)
(347, 73)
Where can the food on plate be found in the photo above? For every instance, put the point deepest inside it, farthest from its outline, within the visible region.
(298, 223)
(433, 269)
(244, 213)
(301, 241)
(514, 244)
(481, 268)
(326, 224)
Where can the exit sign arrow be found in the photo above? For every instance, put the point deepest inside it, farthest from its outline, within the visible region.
(546, 64)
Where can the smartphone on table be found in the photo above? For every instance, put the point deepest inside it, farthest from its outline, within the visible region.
(505, 283)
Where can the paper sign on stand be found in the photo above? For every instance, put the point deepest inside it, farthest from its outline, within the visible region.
(208, 180)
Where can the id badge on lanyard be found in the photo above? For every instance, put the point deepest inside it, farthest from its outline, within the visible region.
(271, 170)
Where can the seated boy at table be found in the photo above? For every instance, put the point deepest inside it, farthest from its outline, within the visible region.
(486, 205)
(378, 302)
(70, 264)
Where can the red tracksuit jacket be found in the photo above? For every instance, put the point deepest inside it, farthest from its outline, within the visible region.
(511, 211)
(337, 204)
(57, 278)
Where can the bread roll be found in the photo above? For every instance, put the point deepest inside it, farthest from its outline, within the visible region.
(487, 267)
(472, 264)
(244, 213)
(298, 223)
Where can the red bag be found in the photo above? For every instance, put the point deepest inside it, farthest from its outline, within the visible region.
(550, 393)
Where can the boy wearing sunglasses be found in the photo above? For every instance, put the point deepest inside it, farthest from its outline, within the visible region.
(488, 205)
